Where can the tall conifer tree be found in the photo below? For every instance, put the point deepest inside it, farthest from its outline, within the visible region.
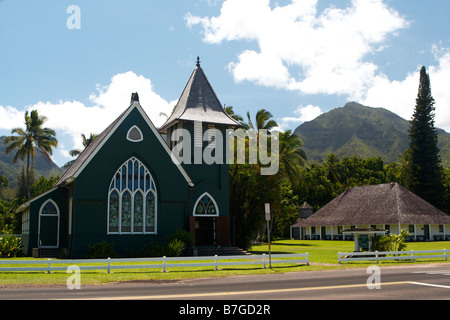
(425, 176)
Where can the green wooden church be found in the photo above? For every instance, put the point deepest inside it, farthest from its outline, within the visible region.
(126, 189)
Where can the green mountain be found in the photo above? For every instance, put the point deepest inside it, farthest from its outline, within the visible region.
(42, 164)
(357, 130)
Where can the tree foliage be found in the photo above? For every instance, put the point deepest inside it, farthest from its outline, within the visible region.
(26, 141)
(425, 176)
(249, 190)
(391, 242)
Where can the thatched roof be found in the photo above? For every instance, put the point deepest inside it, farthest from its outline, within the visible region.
(372, 205)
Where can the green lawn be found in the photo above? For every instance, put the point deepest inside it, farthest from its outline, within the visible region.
(325, 252)
(322, 255)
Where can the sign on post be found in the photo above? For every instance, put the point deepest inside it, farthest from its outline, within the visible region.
(267, 210)
(267, 205)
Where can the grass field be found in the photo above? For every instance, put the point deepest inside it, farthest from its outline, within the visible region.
(322, 256)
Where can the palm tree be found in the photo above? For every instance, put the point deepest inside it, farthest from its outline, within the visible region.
(263, 121)
(4, 183)
(292, 157)
(27, 140)
(404, 164)
(229, 110)
(332, 167)
(75, 152)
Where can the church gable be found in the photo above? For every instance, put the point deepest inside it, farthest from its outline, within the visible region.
(133, 136)
(128, 187)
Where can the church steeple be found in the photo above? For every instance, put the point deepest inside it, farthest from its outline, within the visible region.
(199, 103)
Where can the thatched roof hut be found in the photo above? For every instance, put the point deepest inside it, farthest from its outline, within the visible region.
(384, 204)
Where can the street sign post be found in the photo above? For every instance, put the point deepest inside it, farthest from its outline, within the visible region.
(267, 210)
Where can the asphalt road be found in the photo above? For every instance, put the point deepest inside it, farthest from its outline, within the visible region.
(415, 282)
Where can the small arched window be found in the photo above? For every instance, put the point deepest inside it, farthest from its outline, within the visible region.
(135, 134)
(206, 206)
(49, 208)
(132, 198)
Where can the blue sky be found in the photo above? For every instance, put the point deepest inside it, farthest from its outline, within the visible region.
(295, 58)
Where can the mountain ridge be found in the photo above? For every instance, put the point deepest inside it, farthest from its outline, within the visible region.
(43, 165)
(358, 130)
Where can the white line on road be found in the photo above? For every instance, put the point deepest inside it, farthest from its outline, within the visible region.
(219, 294)
(430, 285)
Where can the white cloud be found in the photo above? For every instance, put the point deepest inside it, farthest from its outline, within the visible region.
(304, 114)
(70, 119)
(400, 96)
(118, 93)
(328, 52)
(329, 48)
(10, 118)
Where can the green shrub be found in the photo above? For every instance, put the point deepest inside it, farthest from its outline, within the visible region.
(158, 250)
(175, 248)
(10, 246)
(184, 236)
(101, 250)
(391, 242)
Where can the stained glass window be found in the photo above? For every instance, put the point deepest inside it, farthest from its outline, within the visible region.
(114, 212)
(206, 206)
(150, 210)
(138, 212)
(131, 200)
(130, 174)
(49, 208)
(126, 212)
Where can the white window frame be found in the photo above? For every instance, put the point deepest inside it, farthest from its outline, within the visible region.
(206, 215)
(140, 132)
(122, 190)
(26, 221)
(47, 215)
(198, 134)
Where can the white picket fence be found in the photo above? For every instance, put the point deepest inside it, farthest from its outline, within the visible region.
(160, 262)
(412, 255)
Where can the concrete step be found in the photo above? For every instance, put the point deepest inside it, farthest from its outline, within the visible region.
(49, 253)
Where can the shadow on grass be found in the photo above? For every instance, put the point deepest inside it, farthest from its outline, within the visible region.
(272, 252)
(274, 243)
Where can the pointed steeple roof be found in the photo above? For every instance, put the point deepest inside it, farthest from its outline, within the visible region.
(198, 102)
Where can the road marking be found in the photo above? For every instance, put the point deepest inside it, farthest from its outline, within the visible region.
(430, 285)
(216, 294)
(444, 273)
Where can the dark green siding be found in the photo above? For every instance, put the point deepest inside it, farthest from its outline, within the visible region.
(175, 198)
(60, 197)
(92, 186)
(213, 178)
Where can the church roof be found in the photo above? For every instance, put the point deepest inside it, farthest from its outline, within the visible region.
(379, 204)
(87, 154)
(91, 150)
(198, 102)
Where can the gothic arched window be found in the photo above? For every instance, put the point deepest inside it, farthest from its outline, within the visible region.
(132, 198)
(206, 206)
